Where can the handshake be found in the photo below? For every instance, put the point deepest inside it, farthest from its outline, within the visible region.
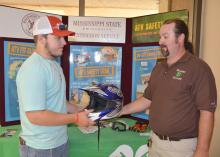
(88, 117)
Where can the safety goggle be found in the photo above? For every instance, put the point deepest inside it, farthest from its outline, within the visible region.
(119, 126)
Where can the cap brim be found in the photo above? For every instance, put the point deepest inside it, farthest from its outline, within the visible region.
(63, 33)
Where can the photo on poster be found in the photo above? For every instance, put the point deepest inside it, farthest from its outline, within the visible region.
(91, 65)
(15, 53)
(144, 60)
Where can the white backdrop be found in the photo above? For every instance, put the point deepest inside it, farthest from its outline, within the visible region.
(17, 23)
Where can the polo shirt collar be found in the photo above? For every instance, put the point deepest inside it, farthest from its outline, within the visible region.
(183, 59)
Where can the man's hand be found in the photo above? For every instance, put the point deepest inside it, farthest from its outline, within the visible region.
(82, 119)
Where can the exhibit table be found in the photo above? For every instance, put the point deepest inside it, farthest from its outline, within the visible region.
(112, 143)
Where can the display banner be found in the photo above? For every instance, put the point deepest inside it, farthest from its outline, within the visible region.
(97, 29)
(93, 64)
(18, 23)
(144, 60)
(15, 53)
(146, 28)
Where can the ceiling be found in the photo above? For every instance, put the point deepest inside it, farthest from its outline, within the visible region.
(113, 8)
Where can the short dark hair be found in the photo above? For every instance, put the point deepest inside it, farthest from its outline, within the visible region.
(181, 27)
(36, 37)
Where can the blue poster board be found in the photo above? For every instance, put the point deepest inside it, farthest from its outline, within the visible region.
(15, 53)
(144, 60)
(93, 64)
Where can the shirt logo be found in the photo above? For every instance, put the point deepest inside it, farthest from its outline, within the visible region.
(179, 74)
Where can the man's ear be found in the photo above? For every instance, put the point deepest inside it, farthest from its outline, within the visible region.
(41, 39)
(181, 38)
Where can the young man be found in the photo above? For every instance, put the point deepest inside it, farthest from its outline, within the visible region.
(41, 91)
(181, 97)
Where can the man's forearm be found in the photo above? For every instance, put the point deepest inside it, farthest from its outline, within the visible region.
(139, 105)
(49, 118)
(206, 125)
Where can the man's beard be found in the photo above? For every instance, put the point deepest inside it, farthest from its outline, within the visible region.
(49, 51)
(164, 50)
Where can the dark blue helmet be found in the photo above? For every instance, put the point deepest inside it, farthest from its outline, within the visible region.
(105, 99)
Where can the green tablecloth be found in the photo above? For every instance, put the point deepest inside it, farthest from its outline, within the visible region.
(85, 145)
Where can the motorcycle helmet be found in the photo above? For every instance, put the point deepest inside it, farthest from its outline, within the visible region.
(105, 99)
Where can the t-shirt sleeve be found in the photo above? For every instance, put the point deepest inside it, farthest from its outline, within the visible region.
(204, 89)
(31, 84)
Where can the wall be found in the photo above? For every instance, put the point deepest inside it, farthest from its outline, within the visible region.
(106, 8)
(210, 52)
(186, 4)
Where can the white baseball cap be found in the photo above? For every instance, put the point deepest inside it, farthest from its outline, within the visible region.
(51, 25)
